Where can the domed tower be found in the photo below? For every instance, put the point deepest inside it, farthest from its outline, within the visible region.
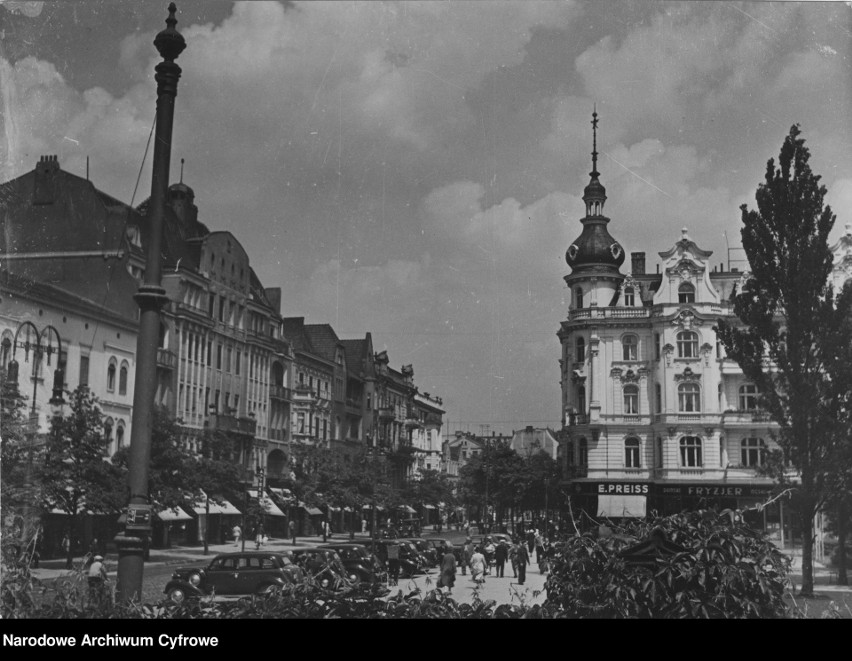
(595, 256)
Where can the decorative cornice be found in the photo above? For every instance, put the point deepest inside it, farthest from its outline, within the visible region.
(688, 376)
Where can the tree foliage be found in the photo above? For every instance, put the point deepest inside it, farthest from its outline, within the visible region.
(792, 328)
(724, 570)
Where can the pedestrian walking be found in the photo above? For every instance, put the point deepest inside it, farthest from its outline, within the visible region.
(259, 534)
(531, 540)
(539, 548)
(466, 554)
(237, 532)
(477, 567)
(488, 550)
(291, 527)
(393, 563)
(501, 554)
(513, 557)
(448, 570)
(66, 550)
(523, 559)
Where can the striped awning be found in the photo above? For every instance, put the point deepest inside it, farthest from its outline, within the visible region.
(269, 507)
(175, 514)
(215, 508)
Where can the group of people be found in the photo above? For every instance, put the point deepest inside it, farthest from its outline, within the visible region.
(480, 558)
(260, 537)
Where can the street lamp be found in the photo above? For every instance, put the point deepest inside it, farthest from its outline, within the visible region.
(150, 297)
(42, 344)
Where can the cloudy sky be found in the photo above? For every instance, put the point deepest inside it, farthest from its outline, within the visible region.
(414, 169)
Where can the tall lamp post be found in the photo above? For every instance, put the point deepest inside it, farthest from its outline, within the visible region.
(42, 344)
(151, 297)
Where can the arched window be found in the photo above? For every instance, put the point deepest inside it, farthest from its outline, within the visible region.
(748, 397)
(629, 297)
(632, 458)
(578, 297)
(689, 397)
(108, 425)
(687, 344)
(629, 347)
(583, 458)
(580, 356)
(753, 452)
(690, 452)
(581, 399)
(631, 400)
(122, 378)
(686, 293)
(119, 434)
(111, 375)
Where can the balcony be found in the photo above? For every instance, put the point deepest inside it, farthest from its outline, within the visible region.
(166, 359)
(353, 405)
(608, 313)
(386, 414)
(576, 419)
(281, 393)
(233, 424)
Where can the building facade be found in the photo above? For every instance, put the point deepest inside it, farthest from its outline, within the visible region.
(656, 417)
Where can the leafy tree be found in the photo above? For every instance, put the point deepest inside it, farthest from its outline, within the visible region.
(713, 569)
(75, 474)
(171, 466)
(14, 448)
(215, 472)
(790, 339)
(493, 478)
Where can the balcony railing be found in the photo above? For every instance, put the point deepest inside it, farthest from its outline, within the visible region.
(166, 359)
(575, 419)
(608, 313)
(386, 413)
(280, 392)
(231, 423)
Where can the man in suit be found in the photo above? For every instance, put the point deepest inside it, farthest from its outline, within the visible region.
(523, 557)
(501, 554)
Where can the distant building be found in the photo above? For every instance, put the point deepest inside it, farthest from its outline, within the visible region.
(529, 441)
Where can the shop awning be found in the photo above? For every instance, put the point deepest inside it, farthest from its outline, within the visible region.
(313, 511)
(406, 508)
(429, 507)
(331, 508)
(268, 506)
(215, 508)
(283, 494)
(619, 506)
(174, 514)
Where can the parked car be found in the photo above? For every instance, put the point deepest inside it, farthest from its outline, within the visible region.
(410, 560)
(234, 574)
(360, 564)
(426, 550)
(322, 565)
(410, 527)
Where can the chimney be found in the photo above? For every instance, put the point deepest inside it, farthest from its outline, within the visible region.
(46, 183)
(529, 429)
(637, 263)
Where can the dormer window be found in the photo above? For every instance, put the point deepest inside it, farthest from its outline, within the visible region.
(629, 297)
(686, 293)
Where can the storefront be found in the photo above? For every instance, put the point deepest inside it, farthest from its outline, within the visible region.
(619, 499)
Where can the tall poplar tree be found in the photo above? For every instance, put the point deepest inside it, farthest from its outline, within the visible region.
(788, 340)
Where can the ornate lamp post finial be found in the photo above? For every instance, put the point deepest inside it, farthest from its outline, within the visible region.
(170, 43)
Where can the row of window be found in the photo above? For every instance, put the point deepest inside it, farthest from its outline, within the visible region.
(688, 398)
(753, 452)
(687, 347)
(685, 294)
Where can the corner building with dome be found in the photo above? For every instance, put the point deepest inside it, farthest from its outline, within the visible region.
(655, 417)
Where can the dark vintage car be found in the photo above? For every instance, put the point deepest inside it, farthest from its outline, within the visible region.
(360, 564)
(426, 550)
(322, 565)
(234, 574)
(411, 562)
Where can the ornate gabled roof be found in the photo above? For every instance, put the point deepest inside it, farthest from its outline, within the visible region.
(323, 339)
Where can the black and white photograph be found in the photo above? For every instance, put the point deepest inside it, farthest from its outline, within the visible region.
(445, 309)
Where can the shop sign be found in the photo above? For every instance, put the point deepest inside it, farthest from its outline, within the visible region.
(613, 488)
(714, 490)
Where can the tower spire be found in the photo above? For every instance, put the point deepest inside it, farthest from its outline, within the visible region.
(594, 172)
